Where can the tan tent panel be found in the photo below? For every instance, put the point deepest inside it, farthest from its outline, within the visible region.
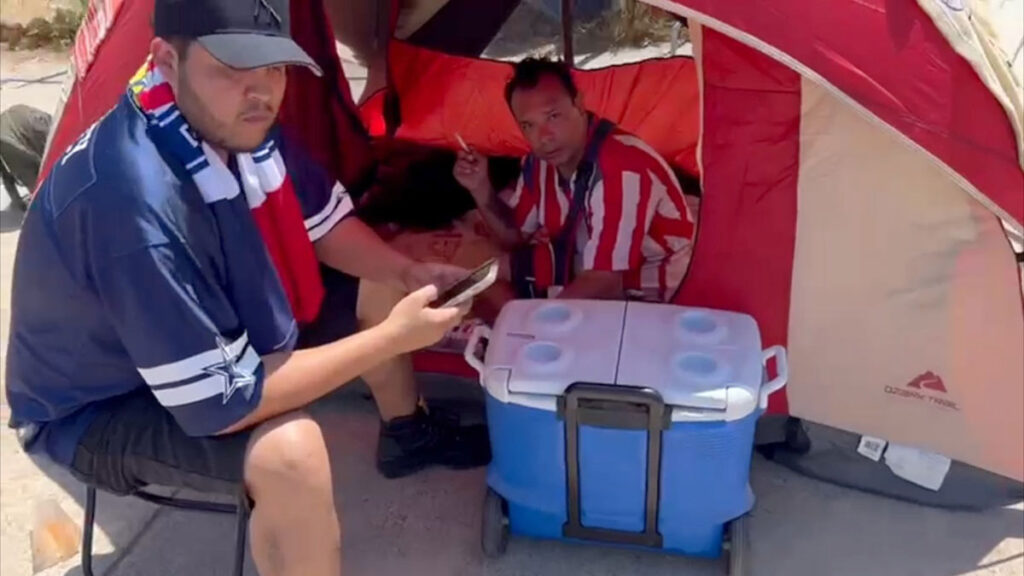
(900, 277)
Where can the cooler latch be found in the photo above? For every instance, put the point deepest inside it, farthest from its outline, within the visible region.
(619, 407)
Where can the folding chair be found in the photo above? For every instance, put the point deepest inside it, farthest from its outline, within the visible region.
(240, 510)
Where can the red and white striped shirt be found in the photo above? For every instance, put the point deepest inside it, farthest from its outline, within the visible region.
(636, 219)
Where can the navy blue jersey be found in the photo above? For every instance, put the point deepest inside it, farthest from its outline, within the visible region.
(126, 278)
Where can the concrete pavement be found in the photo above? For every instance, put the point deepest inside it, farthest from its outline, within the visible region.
(428, 525)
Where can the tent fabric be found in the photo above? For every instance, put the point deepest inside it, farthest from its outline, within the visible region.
(888, 57)
(744, 247)
(906, 322)
(970, 32)
(344, 146)
(341, 145)
(97, 22)
(834, 458)
(441, 95)
(123, 48)
(371, 112)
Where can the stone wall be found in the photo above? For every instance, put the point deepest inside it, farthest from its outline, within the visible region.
(23, 11)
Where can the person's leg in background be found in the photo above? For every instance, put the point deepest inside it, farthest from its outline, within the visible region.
(393, 383)
(10, 186)
(413, 436)
(23, 133)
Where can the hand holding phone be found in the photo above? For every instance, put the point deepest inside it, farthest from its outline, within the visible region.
(414, 324)
(474, 283)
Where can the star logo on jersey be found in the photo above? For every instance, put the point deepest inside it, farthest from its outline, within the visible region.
(234, 377)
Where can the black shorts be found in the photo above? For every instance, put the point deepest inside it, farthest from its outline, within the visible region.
(134, 441)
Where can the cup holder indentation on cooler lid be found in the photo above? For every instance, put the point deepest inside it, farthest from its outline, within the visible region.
(700, 325)
(543, 353)
(698, 366)
(554, 316)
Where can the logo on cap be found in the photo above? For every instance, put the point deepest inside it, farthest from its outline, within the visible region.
(263, 8)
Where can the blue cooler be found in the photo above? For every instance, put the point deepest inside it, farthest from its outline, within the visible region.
(622, 423)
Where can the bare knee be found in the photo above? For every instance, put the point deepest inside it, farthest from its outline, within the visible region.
(287, 451)
(375, 303)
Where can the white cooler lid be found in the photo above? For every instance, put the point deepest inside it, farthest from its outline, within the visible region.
(694, 357)
(706, 364)
(550, 344)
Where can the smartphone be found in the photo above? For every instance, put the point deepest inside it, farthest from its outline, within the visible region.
(474, 283)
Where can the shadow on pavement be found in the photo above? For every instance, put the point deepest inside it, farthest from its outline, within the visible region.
(119, 521)
(429, 524)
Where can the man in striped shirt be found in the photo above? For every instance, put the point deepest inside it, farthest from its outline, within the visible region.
(630, 236)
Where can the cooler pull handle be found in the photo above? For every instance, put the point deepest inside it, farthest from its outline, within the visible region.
(480, 332)
(602, 405)
(781, 373)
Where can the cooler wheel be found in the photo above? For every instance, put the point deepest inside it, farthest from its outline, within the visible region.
(738, 547)
(494, 529)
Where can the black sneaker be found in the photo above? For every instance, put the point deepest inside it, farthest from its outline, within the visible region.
(412, 443)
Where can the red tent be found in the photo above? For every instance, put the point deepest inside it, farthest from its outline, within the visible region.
(859, 161)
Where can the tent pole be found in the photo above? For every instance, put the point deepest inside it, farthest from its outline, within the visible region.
(567, 33)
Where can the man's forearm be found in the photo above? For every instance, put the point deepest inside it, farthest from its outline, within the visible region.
(355, 249)
(293, 380)
(501, 221)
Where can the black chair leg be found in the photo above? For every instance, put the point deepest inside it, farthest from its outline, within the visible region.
(90, 521)
(241, 529)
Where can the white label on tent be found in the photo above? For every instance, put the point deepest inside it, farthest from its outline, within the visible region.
(926, 469)
(871, 447)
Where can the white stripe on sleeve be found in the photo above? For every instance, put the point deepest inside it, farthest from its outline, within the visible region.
(338, 206)
(332, 203)
(192, 366)
(207, 387)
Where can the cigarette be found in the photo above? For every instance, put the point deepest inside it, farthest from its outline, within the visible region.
(462, 143)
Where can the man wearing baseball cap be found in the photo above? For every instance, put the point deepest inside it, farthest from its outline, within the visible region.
(167, 272)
